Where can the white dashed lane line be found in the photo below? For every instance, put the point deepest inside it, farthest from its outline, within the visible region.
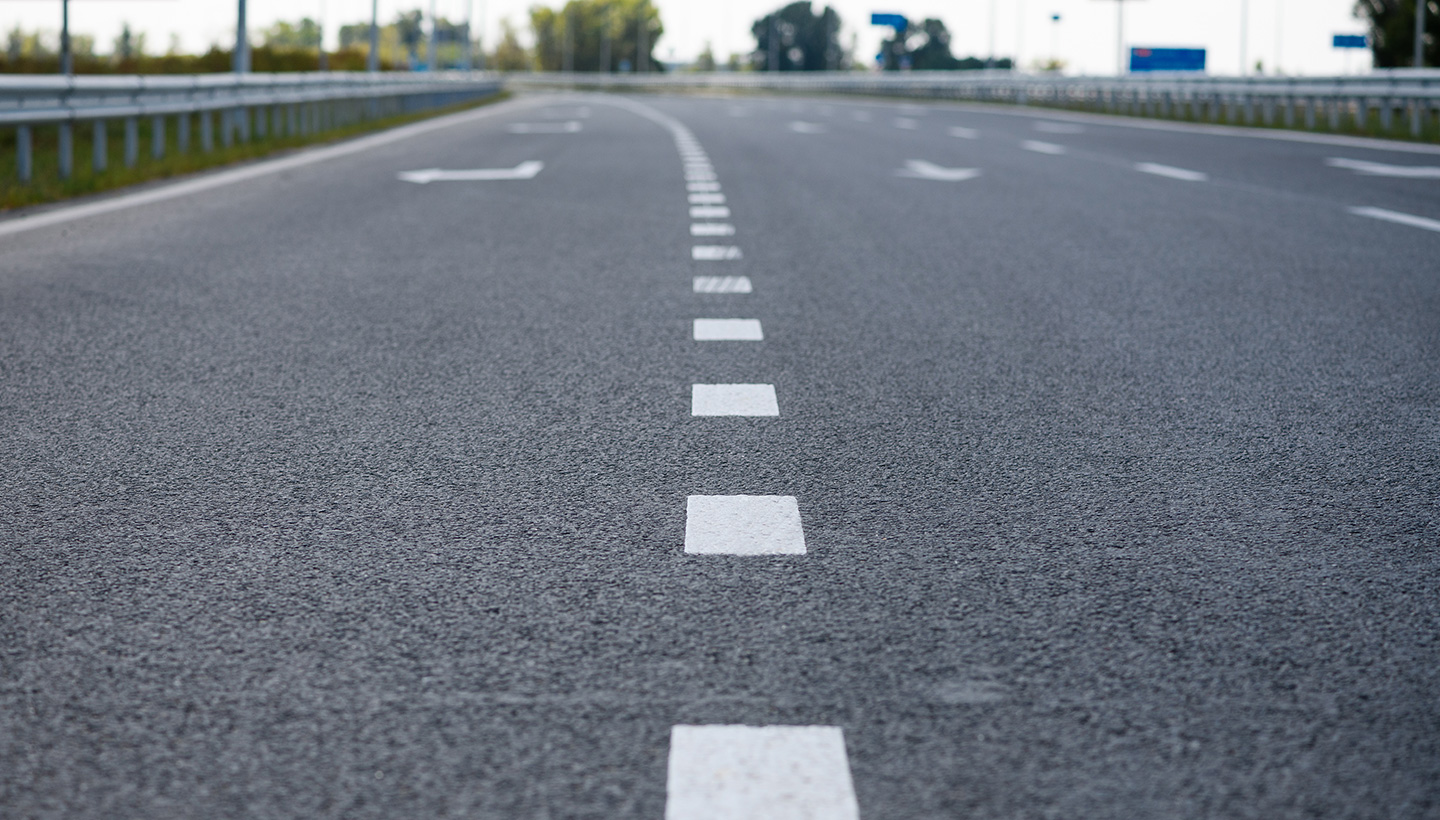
(1171, 172)
(759, 773)
(807, 127)
(709, 212)
(702, 187)
(571, 127)
(715, 253)
(1046, 127)
(711, 229)
(1380, 169)
(707, 199)
(1398, 218)
(964, 133)
(906, 124)
(727, 330)
(733, 400)
(743, 525)
(722, 284)
(1043, 147)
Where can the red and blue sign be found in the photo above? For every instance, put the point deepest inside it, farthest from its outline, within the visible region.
(1167, 59)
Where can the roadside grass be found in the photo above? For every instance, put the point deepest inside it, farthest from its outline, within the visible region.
(47, 186)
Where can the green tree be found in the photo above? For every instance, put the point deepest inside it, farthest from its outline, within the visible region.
(509, 55)
(1392, 31)
(926, 47)
(804, 41)
(588, 24)
(706, 60)
(284, 35)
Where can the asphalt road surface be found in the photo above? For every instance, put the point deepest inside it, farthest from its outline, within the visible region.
(1070, 467)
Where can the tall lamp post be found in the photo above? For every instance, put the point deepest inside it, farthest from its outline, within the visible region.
(1120, 37)
(240, 61)
(372, 60)
(1420, 32)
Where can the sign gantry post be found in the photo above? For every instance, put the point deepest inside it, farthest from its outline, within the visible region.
(1121, 52)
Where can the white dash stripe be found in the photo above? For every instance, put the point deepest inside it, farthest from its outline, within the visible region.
(964, 133)
(743, 525)
(709, 212)
(711, 229)
(1042, 147)
(733, 400)
(759, 773)
(722, 284)
(727, 330)
(696, 176)
(1398, 218)
(707, 199)
(702, 187)
(715, 253)
(1171, 172)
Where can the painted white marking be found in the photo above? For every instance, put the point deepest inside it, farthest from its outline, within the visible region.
(710, 212)
(715, 253)
(1048, 127)
(707, 199)
(722, 284)
(912, 110)
(906, 124)
(964, 133)
(759, 773)
(743, 525)
(699, 168)
(1398, 218)
(571, 127)
(807, 127)
(1380, 169)
(1171, 172)
(861, 116)
(920, 169)
(1042, 147)
(700, 176)
(733, 400)
(525, 170)
(728, 330)
(702, 187)
(711, 229)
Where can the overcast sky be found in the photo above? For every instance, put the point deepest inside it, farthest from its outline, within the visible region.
(1295, 34)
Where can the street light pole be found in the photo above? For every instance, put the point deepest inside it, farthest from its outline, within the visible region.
(1120, 37)
(240, 61)
(67, 59)
(434, 35)
(372, 60)
(1244, 37)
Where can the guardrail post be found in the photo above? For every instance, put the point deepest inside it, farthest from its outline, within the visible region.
(207, 131)
(132, 141)
(67, 150)
(182, 133)
(1364, 114)
(1333, 106)
(1387, 114)
(1310, 113)
(99, 151)
(243, 115)
(227, 127)
(24, 161)
(259, 122)
(277, 125)
(157, 138)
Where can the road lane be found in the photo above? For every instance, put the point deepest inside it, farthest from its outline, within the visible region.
(336, 495)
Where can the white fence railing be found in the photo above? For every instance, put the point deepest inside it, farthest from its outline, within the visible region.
(248, 106)
(1388, 103)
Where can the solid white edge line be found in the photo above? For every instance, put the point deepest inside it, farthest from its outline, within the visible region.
(1397, 217)
(262, 168)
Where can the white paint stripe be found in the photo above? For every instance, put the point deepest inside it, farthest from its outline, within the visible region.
(964, 133)
(807, 127)
(711, 229)
(1398, 218)
(707, 199)
(702, 187)
(861, 116)
(699, 167)
(1047, 127)
(906, 124)
(743, 525)
(728, 330)
(759, 773)
(710, 212)
(1042, 147)
(571, 127)
(1380, 169)
(1171, 172)
(722, 284)
(920, 169)
(715, 253)
(733, 400)
(698, 176)
(220, 179)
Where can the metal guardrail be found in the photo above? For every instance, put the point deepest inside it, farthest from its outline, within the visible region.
(249, 105)
(1363, 103)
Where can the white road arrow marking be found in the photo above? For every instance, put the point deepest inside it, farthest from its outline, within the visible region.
(1380, 169)
(570, 127)
(920, 169)
(525, 170)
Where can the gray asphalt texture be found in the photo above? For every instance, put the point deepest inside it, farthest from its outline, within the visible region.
(330, 495)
